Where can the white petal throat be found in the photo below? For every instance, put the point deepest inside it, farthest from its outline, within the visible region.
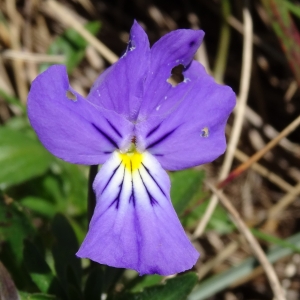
(130, 178)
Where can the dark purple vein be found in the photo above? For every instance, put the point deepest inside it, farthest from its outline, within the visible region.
(153, 201)
(148, 171)
(110, 178)
(114, 128)
(108, 138)
(161, 139)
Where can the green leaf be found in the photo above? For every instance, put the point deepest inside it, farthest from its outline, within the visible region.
(8, 290)
(38, 269)
(177, 288)
(18, 123)
(64, 249)
(220, 221)
(72, 45)
(186, 190)
(26, 296)
(75, 38)
(39, 205)
(13, 101)
(141, 282)
(185, 186)
(14, 228)
(21, 158)
(74, 187)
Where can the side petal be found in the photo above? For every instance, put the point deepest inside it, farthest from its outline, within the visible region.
(120, 88)
(173, 49)
(193, 133)
(69, 126)
(134, 224)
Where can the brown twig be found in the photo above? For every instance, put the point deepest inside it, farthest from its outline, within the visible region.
(238, 121)
(286, 200)
(261, 170)
(258, 155)
(258, 252)
(32, 57)
(18, 65)
(63, 15)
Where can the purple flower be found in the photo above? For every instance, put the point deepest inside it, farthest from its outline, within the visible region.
(136, 124)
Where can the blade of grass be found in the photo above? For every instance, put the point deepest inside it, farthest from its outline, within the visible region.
(224, 42)
(286, 31)
(274, 240)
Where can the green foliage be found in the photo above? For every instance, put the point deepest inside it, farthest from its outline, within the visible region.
(14, 228)
(21, 157)
(39, 206)
(219, 221)
(186, 185)
(176, 288)
(189, 200)
(39, 270)
(145, 281)
(13, 101)
(72, 45)
(26, 296)
(67, 265)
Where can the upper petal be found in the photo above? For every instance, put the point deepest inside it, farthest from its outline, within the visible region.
(120, 88)
(176, 48)
(193, 132)
(134, 224)
(68, 125)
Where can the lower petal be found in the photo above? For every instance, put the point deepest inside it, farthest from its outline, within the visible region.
(134, 224)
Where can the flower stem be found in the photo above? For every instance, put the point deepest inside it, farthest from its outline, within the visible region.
(91, 195)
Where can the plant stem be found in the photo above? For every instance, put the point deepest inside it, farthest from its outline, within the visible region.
(91, 195)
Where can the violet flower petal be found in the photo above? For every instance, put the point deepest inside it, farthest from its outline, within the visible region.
(193, 133)
(120, 88)
(134, 224)
(69, 126)
(176, 48)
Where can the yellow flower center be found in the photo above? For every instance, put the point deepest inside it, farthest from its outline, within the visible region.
(131, 160)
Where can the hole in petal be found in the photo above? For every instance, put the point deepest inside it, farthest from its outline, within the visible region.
(177, 76)
(205, 132)
(71, 96)
(131, 45)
